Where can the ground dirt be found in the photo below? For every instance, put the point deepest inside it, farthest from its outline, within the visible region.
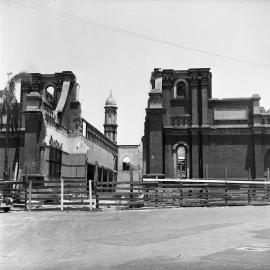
(183, 238)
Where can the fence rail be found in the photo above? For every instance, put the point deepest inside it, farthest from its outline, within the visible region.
(182, 193)
(78, 194)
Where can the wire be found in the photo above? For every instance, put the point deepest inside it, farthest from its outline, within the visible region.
(138, 35)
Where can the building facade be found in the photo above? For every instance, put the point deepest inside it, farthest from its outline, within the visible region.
(53, 139)
(189, 134)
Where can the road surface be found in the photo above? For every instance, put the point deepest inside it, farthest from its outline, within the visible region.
(183, 238)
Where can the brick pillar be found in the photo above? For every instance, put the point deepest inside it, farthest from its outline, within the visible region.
(33, 129)
(31, 141)
(194, 102)
(155, 141)
(205, 149)
(258, 155)
(170, 158)
(195, 154)
(204, 102)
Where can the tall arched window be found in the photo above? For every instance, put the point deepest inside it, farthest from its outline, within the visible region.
(181, 161)
(181, 90)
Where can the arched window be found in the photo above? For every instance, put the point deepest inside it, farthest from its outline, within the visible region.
(126, 164)
(49, 93)
(181, 90)
(50, 90)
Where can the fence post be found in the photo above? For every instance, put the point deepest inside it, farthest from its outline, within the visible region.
(113, 184)
(131, 182)
(18, 178)
(90, 195)
(62, 194)
(156, 195)
(225, 188)
(108, 181)
(25, 187)
(15, 175)
(95, 184)
(249, 195)
(249, 173)
(181, 194)
(206, 194)
(226, 193)
(268, 174)
(30, 195)
(102, 176)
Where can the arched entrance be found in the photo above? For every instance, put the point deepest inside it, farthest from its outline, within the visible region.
(181, 160)
(181, 165)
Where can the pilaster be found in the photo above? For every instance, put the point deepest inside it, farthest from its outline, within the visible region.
(204, 85)
(194, 102)
(155, 129)
(258, 154)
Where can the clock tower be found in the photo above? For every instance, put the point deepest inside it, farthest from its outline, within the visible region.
(110, 125)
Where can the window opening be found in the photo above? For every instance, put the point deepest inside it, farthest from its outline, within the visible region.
(126, 164)
(181, 90)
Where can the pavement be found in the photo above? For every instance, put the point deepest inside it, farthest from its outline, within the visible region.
(180, 238)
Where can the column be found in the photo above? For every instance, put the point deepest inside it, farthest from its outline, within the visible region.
(194, 102)
(204, 102)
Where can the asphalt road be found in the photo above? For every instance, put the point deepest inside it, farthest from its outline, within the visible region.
(184, 238)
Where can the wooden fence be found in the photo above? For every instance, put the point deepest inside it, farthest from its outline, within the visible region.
(33, 193)
(182, 193)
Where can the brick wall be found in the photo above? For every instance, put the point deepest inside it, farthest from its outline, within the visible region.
(231, 151)
(134, 153)
(155, 143)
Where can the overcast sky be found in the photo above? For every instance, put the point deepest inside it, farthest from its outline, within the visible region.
(35, 38)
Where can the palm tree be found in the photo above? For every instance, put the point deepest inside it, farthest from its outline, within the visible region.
(9, 111)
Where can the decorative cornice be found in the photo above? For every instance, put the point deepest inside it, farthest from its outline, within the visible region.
(204, 82)
(167, 80)
(194, 83)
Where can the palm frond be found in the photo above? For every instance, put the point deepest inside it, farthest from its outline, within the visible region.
(18, 78)
(9, 103)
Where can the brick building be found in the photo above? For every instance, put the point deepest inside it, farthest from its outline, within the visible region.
(190, 134)
(53, 139)
(129, 156)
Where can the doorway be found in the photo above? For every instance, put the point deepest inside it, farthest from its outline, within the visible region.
(181, 166)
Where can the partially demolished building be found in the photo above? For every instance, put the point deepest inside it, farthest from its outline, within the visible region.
(53, 139)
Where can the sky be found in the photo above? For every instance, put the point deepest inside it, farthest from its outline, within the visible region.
(87, 38)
